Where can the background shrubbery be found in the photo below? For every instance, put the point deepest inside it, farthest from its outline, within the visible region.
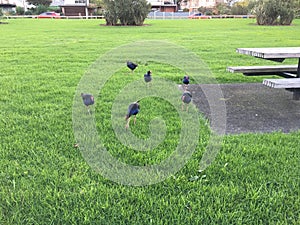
(126, 12)
(274, 12)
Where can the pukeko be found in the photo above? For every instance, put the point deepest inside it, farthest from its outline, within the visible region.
(186, 99)
(133, 110)
(185, 81)
(132, 66)
(148, 77)
(88, 100)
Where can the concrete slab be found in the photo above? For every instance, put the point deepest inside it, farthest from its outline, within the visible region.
(251, 107)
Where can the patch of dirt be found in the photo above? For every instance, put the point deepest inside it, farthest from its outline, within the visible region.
(251, 107)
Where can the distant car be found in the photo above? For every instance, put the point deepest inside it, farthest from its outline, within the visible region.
(198, 16)
(52, 15)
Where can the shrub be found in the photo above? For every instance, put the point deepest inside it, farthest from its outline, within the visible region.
(273, 12)
(222, 8)
(238, 9)
(127, 12)
(29, 12)
(20, 10)
(54, 9)
(40, 9)
(286, 13)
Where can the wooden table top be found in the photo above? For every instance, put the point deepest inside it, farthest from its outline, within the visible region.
(271, 53)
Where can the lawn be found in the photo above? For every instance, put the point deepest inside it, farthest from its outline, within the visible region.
(44, 179)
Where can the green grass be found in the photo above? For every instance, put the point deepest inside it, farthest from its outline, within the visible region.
(45, 180)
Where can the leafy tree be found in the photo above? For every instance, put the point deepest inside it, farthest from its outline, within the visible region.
(222, 8)
(1, 15)
(240, 8)
(297, 8)
(20, 10)
(29, 12)
(97, 2)
(273, 12)
(286, 12)
(99, 6)
(40, 9)
(111, 15)
(202, 9)
(127, 12)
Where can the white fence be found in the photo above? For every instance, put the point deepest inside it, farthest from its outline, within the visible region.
(61, 17)
(152, 15)
(185, 15)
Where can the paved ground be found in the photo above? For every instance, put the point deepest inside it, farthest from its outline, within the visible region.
(249, 107)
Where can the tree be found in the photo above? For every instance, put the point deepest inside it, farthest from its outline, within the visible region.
(297, 7)
(240, 8)
(222, 8)
(286, 12)
(40, 9)
(1, 17)
(99, 6)
(274, 12)
(97, 2)
(20, 10)
(127, 12)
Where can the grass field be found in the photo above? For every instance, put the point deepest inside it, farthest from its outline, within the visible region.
(45, 180)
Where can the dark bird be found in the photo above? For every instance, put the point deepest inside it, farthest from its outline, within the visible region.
(186, 99)
(132, 66)
(133, 110)
(148, 77)
(88, 100)
(185, 81)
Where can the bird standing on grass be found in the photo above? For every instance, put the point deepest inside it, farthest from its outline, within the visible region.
(148, 77)
(185, 81)
(88, 100)
(132, 66)
(133, 110)
(186, 99)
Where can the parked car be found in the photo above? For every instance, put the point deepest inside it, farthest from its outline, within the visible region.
(198, 16)
(52, 15)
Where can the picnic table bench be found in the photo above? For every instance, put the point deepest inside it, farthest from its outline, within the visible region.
(290, 73)
(279, 70)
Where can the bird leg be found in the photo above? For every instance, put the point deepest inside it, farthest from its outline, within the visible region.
(134, 121)
(182, 105)
(127, 124)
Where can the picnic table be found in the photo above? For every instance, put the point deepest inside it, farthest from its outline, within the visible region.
(290, 73)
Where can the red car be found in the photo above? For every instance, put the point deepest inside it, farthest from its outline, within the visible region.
(52, 15)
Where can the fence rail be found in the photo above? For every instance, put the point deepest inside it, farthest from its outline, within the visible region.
(185, 15)
(152, 15)
(61, 17)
